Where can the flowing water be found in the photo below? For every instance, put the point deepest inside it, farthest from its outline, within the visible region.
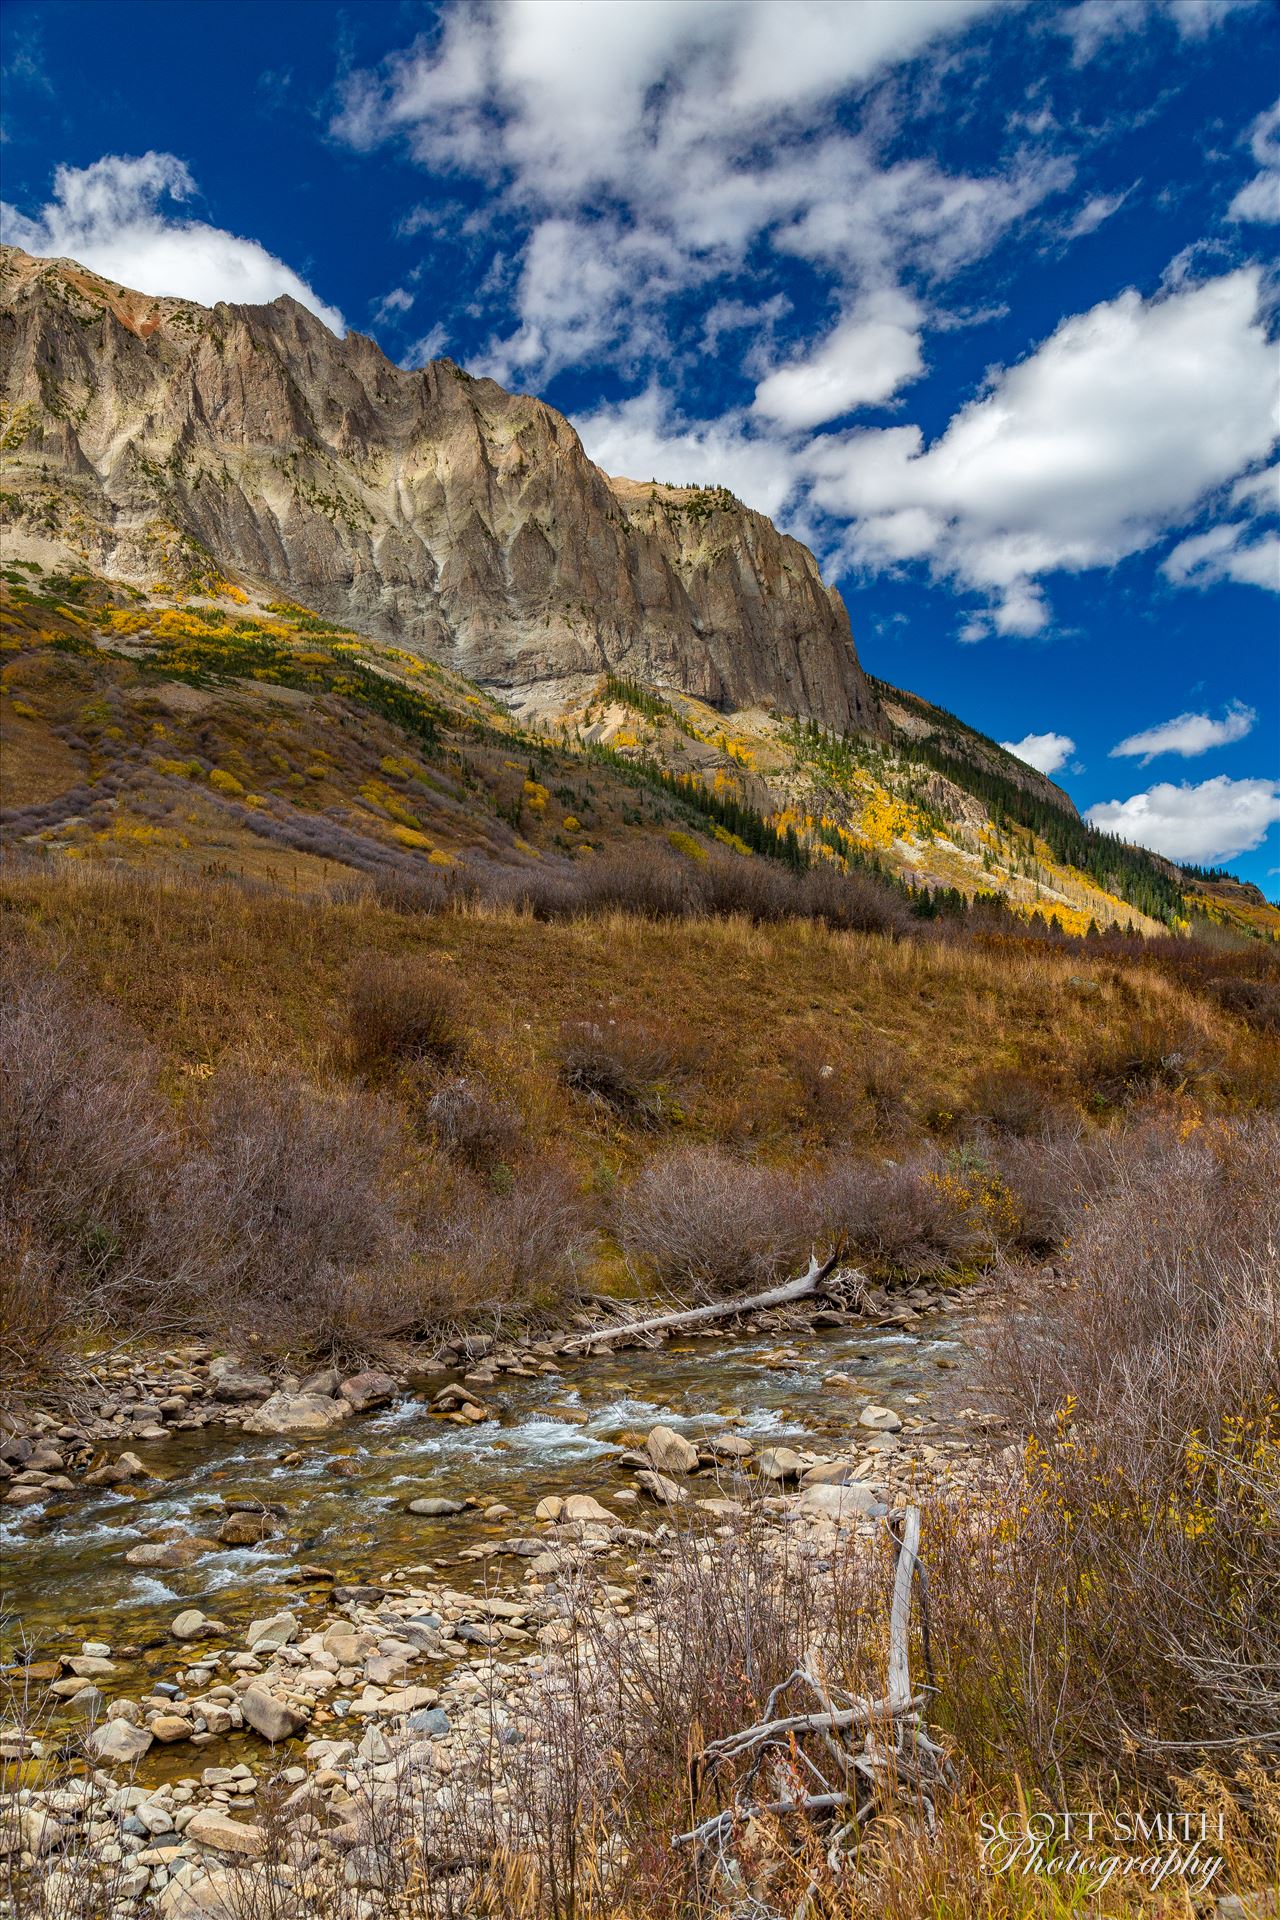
(346, 1493)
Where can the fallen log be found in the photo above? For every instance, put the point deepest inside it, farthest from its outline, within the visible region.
(798, 1289)
(867, 1713)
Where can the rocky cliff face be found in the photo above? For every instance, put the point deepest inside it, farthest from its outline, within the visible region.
(153, 438)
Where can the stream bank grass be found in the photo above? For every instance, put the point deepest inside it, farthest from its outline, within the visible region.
(329, 1122)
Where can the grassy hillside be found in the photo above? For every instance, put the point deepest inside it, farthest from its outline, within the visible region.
(226, 732)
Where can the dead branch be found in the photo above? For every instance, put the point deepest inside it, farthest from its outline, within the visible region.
(798, 1289)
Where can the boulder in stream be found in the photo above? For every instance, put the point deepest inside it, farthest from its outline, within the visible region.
(118, 1743)
(297, 1413)
(670, 1452)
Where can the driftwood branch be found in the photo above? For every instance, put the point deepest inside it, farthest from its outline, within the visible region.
(893, 1761)
(798, 1289)
(865, 1714)
(900, 1611)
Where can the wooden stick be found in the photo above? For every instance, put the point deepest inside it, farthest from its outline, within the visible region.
(865, 1714)
(797, 1289)
(900, 1611)
(720, 1824)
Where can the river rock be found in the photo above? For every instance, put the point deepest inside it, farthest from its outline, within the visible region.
(170, 1554)
(28, 1830)
(233, 1380)
(829, 1473)
(365, 1390)
(880, 1419)
(326, 1382)
(168, 1727)
(436, 1507)
(275, 1631)
(297, 1413)
(431, 1721)
(216, 1897)
(670, 1452)
(660, 1488)
(189, 1625)
(550, 1507)
(583, 1506)
(730, 1446)
(245, 1529)
(113, 1473)
(844, 1504)
(781, 1463)
(210, 1829)
(118, 1743)
(273, 1719)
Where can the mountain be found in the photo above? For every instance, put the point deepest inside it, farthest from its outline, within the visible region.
(164, 440)
(272, 604)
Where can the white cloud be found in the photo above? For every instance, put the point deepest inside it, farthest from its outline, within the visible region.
(1259, 199)
(429, 347)
(1092, 23)
(1223, 553)
(868, 357)
(111, 217)
(639, 440)
(1204, 824)
(1094, 212)
(667, 137)
(399, 300)
(1112, 432)
(1044, 751)
(1188, 735)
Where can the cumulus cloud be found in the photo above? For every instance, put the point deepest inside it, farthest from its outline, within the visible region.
(1225, 553)
(399, 300)
(1205, 824)
(112, 217)
(1113, 431)
(670, 136)
(1188, 735)
(1044, 751)
(1093, 24)
(864, 362)
(1259, 199)
(640, 439)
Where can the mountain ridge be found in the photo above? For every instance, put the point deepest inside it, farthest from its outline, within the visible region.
(431, 507)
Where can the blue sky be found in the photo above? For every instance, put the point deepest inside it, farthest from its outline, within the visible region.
(977, 297)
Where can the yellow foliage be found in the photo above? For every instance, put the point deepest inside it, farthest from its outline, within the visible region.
(24, 710)
(686, 844)
(410, 837)
(572, 824)
(536, 796)
(225, 782)
(180, 769)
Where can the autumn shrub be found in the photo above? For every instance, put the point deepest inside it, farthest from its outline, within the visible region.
(1137, 1582)
(515, 1240)
(633, 1066)
(401, 1009)
(702, 1217)
(910, 1219)
(1256, 1002)
(37, 1312)
(284, 1199)
(86, 1141)
(1153, 1048)
(1007, 1100)
(467, 1120)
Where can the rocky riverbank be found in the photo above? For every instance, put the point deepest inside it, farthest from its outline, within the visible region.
(156, 1762)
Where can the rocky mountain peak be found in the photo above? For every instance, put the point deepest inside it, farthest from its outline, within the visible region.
(151, 436)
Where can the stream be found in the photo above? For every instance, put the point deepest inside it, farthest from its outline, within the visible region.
(346, 1493)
